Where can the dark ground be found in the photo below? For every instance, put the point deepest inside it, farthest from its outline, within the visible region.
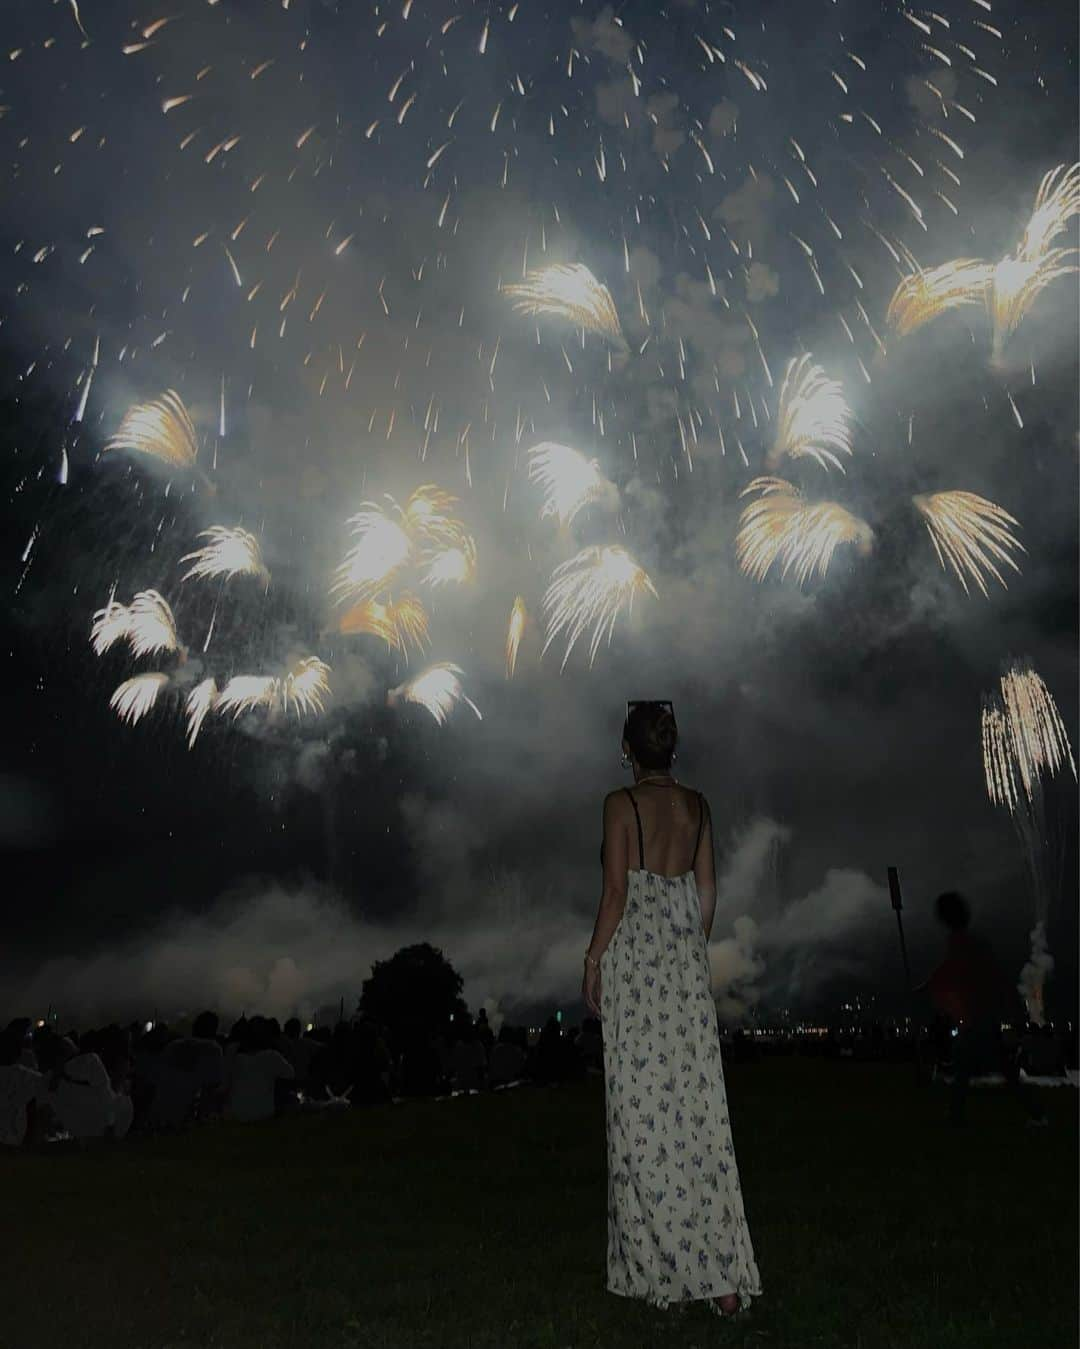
(480, 1222)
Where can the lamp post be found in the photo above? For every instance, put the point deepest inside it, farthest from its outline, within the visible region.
(897, 903)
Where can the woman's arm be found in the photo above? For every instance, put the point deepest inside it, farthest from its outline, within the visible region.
(616, 861)
(705, 872)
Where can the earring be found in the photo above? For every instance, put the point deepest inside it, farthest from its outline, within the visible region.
(625, 761)
(674, 755)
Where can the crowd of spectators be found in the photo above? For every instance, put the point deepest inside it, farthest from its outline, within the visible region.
(152, 1078)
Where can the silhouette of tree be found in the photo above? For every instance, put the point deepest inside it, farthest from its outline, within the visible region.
(414, 993)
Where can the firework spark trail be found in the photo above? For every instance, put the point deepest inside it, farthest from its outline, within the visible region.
(135, 697)
(244, 693)
(162, 429)
(568, 480)
(1056, 202)
(1015, 285)
(199, 702)
(1023, 737)
(230, 552)
(456, 564)
(780, 526)
(381, 550)
(1023, 741)
(592, 588)
(438, 689)
(514, 633)
(306, 685)
(1036, 730)
(924, 294)
(969, 531)
(571, 292)
(812, 417)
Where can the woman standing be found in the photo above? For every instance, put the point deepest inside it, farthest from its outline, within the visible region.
(677, 1231)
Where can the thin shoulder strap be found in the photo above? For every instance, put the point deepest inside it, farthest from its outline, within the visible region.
(701, 822)
(640, 843)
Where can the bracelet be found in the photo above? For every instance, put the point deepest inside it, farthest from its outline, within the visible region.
(589, 960)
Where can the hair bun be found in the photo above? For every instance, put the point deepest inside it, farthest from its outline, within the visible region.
(665, 733)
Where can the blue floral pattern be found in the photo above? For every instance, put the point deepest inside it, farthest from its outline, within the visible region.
(677, 1231)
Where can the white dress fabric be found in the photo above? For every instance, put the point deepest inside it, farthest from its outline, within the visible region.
(677, 1230)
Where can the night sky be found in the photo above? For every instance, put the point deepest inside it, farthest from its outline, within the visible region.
(722, 169)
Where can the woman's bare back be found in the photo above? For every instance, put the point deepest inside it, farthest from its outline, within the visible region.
(671, 823)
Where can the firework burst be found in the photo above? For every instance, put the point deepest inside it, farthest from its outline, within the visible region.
(306, 685)
(110, 625)
(136, 696)
(592, 588)
(970, 532)
(923, 295)
(147, 624)
(570, 292)
(428, 516)
(162, 429)
(438, 689)
(780, 526)
(456, 564)
(1016, 283)
(229, 553)
(568, 480)
(397, 624)
(244, 693)
(812, 418)
(381, 550)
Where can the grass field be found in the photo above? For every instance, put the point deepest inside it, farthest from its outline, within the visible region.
(480, 1222)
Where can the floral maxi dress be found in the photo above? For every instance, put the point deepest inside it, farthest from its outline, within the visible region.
(677, 1230)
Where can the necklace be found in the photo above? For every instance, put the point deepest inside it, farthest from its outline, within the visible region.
(673, 782)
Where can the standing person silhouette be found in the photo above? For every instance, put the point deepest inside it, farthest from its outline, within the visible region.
(677, 1230)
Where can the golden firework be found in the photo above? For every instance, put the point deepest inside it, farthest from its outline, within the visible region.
(428, 516)
(812, 417)
(396, 623)
(592, 588)
(199, 702)
(1016, 283)
(306, 685)
(970, 532)
(438, 689)
(1024, 738)
(381, 549)
(924, 294)
(1056, 202)
(518, 617)
(568, 291)
(455, 564)
(568, 480)
(229, 553)
(162, 429)
(781, 526)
